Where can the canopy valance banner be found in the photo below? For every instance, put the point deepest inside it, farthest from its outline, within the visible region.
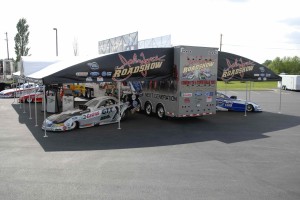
(233, 67)
(142, 64)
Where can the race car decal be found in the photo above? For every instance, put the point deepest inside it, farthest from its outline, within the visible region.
(91, 115)
(228, 104)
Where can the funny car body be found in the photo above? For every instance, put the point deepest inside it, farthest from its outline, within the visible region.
(233, 104)
(98, 111)
(35, 96)
(19, 91)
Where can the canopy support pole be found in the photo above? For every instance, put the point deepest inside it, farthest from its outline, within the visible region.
(21, 95)
(119, 98)
(246, 99)
(35, 109)
(279, 111)
(15, 90)
(226, 82)
(250, 91)
(29, 106)
(45, 112)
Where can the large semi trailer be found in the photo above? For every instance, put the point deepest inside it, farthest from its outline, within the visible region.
(191, 92)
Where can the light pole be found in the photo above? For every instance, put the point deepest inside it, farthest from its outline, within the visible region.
(7, 47)
(221, 42)
(56, 41)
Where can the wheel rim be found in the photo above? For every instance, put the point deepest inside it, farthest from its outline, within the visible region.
(73, 126)
(148, 109)
(160, 112)
(249, 108)
(29, 100)
(124, 115)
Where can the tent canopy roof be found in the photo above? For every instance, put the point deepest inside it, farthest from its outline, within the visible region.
(108, 67)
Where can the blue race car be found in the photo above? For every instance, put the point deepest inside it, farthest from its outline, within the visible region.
(233, 104)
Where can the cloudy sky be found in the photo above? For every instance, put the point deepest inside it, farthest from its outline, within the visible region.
(257, 29)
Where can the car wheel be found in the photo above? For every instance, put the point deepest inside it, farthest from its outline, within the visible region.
(148, 109)
(250, 108)
(28, 100)
(124, 115)
(74, 125)
(160, 112)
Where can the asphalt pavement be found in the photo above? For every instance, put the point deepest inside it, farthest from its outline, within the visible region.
(229, 155)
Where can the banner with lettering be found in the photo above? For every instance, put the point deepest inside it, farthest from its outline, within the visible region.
(233, 67)
(142, 64)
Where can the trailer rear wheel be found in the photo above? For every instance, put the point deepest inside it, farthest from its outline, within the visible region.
(148, 108)
(160, 111)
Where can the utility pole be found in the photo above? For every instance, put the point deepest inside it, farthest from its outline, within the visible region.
(56, 41)
(221, 42)
(7, 47)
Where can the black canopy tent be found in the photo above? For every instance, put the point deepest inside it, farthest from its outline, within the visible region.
(142, 64)
(145, 64)
(233, 67)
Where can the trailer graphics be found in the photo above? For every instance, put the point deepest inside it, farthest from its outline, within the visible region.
(137, 64)
(190, 92)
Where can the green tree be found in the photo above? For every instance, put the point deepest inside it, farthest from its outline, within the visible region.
(22, 39)
(267, 62)
(288, 65)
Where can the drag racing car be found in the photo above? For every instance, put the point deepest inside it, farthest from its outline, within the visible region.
(233, 104)
(23, 89)
(35, 96)
(98, 111)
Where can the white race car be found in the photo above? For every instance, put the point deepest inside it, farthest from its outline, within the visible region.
(98, 111)
(23, 89)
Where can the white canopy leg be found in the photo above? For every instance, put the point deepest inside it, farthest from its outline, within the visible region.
(21, 95)
(44, 100)
(119, 97)
(279, 111)
(246, 99)
(35, 109)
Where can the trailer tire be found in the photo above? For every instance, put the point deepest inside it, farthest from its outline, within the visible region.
(160, 111)
(148, 109)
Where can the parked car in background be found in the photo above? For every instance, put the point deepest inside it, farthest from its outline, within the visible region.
(20, 90)
(98, 111)
(233, 104)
